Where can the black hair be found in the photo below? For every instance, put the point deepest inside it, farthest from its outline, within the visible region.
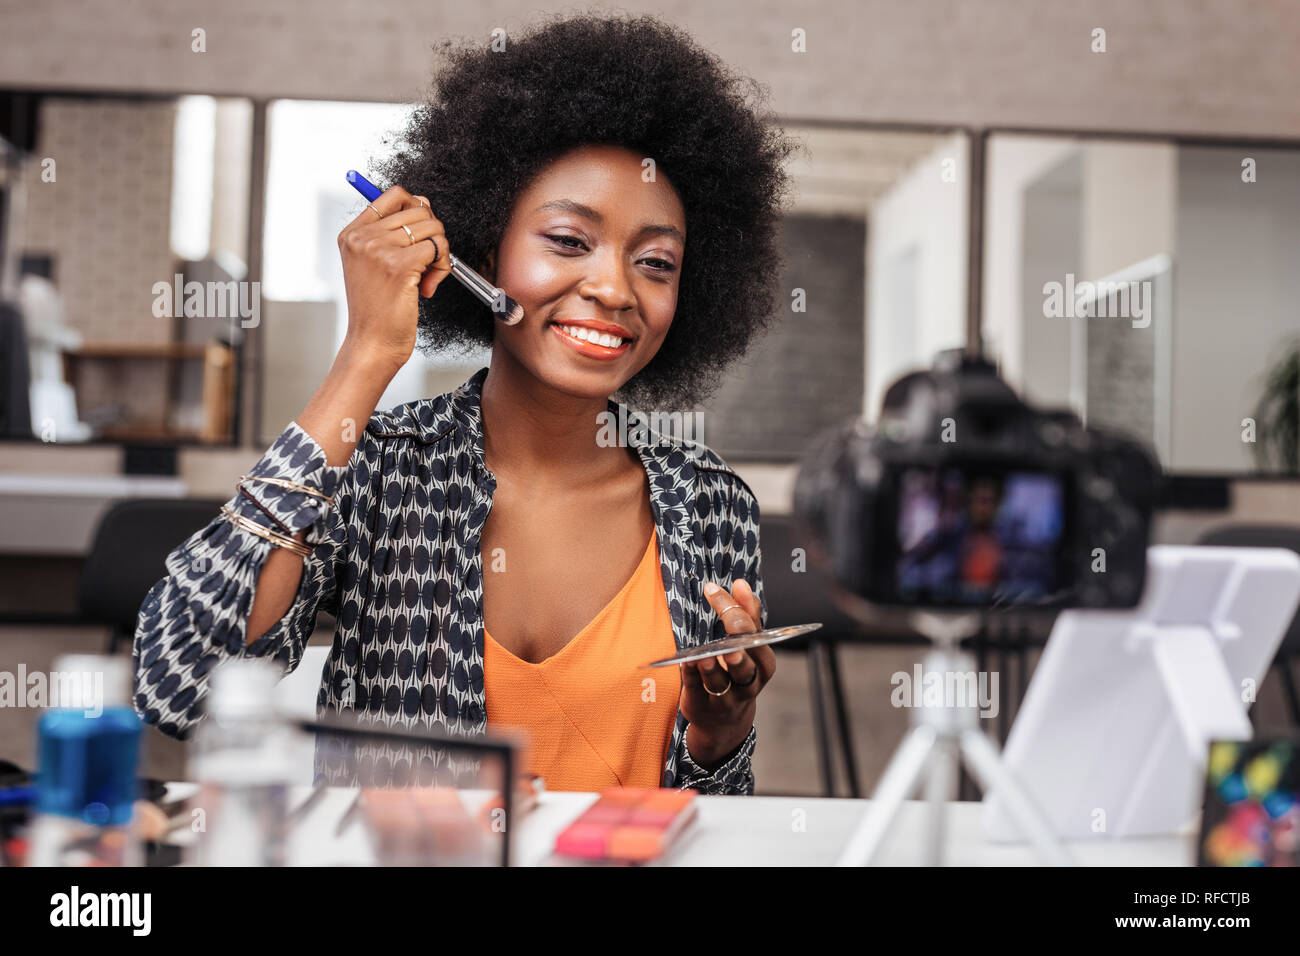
(499, 116)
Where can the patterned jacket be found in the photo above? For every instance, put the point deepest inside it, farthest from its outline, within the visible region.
(397, 561)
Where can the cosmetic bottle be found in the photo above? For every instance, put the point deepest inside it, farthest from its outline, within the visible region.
(241, 757)
(88, 746)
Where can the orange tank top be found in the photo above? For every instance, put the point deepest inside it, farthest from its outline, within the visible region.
(594, 718)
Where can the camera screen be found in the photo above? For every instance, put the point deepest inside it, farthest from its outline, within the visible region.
(968, 537)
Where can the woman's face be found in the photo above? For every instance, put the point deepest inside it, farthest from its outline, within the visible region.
(591, 248)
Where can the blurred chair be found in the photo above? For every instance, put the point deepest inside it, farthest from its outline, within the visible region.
(1268, 536)
(127, 558)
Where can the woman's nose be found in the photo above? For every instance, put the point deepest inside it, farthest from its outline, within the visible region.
(607, 284)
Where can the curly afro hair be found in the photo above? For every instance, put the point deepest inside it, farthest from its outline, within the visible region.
(497, 118)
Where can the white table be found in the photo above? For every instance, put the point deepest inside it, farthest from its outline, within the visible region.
(58, 514)
(738, 831)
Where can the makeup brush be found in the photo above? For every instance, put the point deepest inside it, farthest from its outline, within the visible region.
(503, 307)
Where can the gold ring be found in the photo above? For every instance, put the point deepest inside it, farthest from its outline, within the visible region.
(410, 234)
(726, 609)
(377, 212)
(714, 693)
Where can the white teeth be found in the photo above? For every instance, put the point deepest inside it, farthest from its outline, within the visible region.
(585, 334)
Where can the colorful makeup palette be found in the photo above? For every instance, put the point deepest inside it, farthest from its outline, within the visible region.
(628, 825)
(1252, 804)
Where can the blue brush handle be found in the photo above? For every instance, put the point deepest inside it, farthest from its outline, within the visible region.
(364, 186)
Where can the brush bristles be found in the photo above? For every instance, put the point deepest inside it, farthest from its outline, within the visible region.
(513, 313)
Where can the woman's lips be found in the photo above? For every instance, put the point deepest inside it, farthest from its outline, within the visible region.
(590, 349)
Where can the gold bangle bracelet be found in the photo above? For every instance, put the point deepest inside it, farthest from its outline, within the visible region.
(277, 539)
(291, 485)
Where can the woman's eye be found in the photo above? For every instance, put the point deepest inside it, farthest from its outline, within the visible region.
(574, 243)
(565, 240)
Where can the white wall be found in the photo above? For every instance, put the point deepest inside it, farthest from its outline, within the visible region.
(916, 235)
(1236, 253)
(295, 352)
(1051, 211)
(1049, 217)
(1012, 164)
(1235, 271)
(1128, 204)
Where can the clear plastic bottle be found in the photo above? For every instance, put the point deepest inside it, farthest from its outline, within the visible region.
(241, 758)
(88, 747)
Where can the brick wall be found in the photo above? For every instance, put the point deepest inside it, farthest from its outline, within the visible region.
(107, 216)
(806, 372)
(106, 220)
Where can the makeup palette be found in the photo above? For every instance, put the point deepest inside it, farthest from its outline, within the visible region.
(735, 642)
(628, 825)
(1252, 803)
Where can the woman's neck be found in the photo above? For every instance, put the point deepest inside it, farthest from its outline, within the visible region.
(529, 427)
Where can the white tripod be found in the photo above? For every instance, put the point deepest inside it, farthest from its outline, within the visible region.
(939, 739)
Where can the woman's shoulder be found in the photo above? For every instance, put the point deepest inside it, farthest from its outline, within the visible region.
(723, 500)
(711, 470)
(429, 419)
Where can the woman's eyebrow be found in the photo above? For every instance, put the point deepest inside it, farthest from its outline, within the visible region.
(582, 209)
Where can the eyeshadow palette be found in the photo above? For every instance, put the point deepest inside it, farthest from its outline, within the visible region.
(735, 642)
(628, 825)
(422, 826)
(1252, 803)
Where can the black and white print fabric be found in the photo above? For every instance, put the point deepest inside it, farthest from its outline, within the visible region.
(397, 561)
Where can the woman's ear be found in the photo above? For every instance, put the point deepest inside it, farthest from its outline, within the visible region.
(489, 270)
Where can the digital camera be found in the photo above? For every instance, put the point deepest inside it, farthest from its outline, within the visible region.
(965, 496)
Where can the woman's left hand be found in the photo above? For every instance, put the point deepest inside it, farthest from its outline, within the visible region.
(720, 724)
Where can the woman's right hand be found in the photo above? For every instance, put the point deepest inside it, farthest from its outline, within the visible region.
(384, 272)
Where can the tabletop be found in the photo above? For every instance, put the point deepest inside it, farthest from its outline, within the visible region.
(735, 831)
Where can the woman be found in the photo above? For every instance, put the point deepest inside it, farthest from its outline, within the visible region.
(490, 557)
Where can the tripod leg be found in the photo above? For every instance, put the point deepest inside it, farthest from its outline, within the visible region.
(986, 764)
(899, 779)
(941, 786)
(967, 789)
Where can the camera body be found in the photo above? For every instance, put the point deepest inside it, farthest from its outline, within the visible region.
(964, 496)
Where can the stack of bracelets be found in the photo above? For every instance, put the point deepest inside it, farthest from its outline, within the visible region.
(275, 537)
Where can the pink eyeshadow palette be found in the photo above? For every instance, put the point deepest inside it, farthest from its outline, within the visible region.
(628, 825)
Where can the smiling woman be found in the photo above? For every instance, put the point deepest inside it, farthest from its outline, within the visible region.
(489, 558)
(595, 254)
(694, 154)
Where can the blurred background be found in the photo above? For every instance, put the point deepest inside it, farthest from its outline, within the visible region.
(960, 158)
